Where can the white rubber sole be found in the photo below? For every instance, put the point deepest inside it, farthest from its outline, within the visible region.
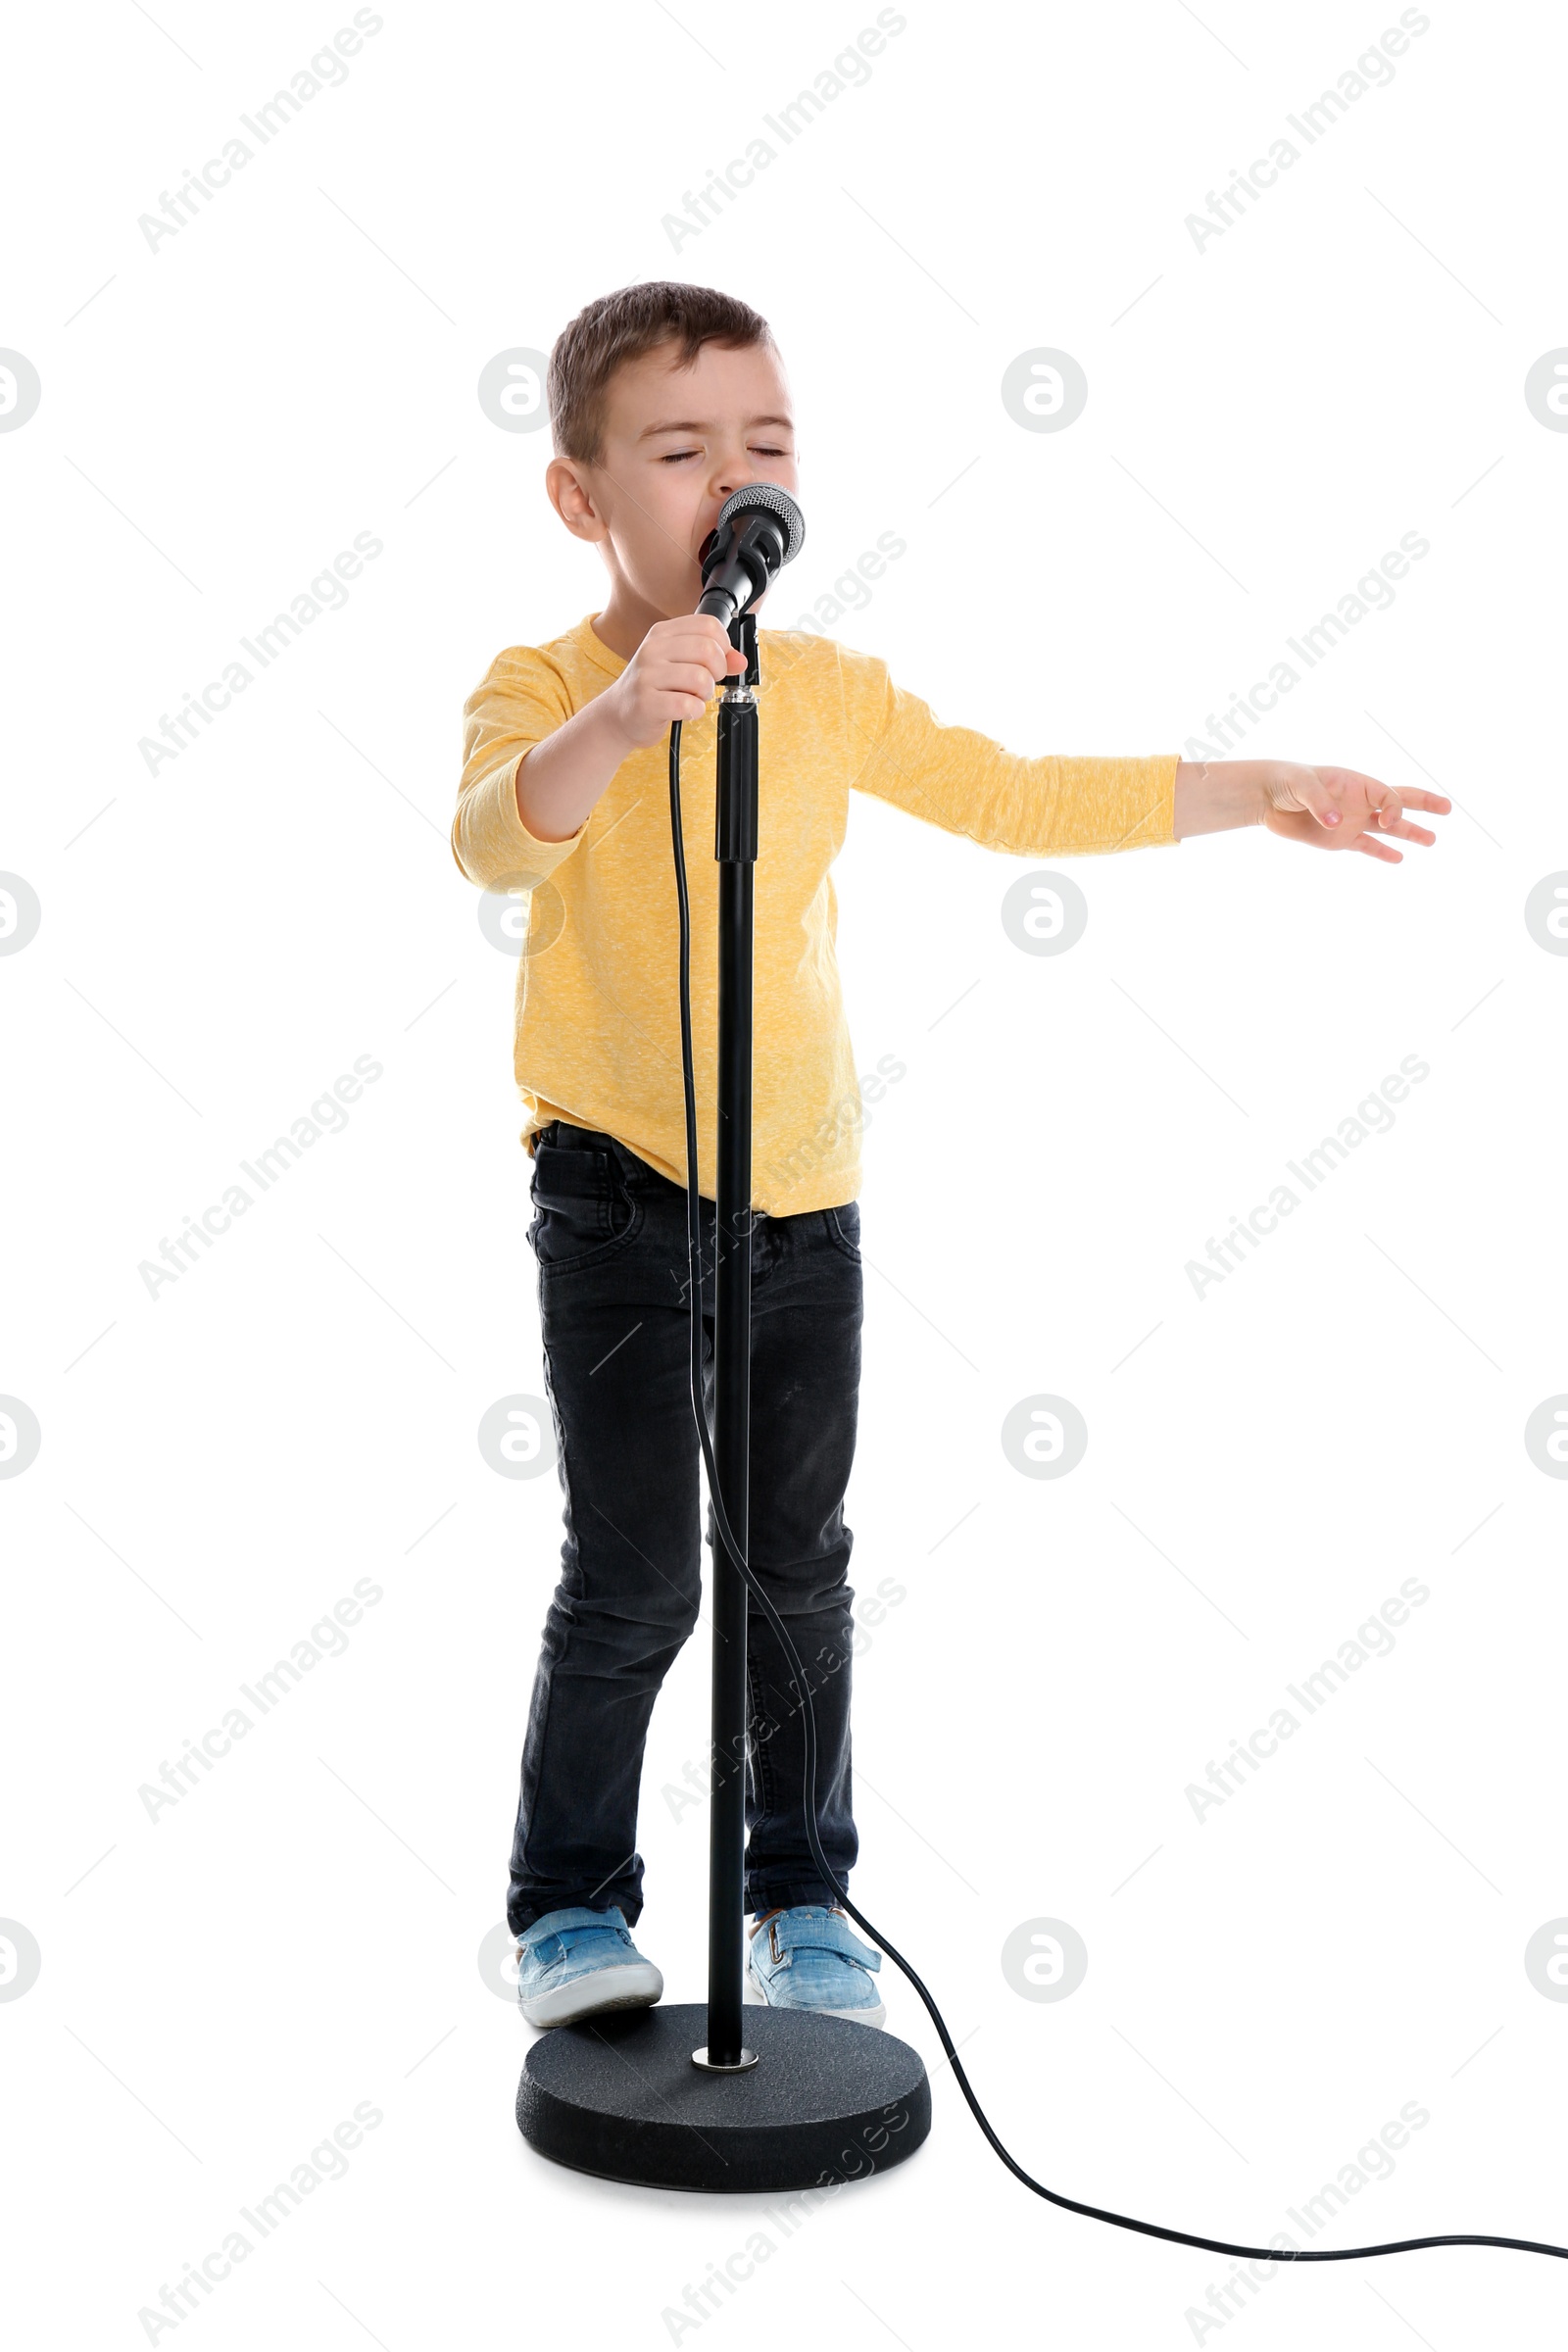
(755, 1997)
(634, 1987)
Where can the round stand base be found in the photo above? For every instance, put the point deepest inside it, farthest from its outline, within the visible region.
(827, 2101)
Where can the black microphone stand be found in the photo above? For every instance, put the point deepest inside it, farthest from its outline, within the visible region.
(814, 2101)
(735, 848)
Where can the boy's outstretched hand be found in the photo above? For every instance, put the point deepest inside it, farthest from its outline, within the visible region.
(1328, 808)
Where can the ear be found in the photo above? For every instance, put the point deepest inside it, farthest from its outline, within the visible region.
(570, 492)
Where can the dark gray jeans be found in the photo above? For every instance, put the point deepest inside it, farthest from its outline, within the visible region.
(609, 1237)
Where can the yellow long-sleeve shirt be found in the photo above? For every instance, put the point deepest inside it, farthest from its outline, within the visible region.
(597, 1011)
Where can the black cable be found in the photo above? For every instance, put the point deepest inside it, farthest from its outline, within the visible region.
(694, 1242)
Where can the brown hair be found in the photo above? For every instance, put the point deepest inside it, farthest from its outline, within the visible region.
(621, 326)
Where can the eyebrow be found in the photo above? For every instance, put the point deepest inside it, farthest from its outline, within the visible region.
(701, 424)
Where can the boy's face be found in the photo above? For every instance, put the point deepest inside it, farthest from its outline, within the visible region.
(676, 442)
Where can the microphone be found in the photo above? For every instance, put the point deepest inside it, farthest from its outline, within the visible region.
(759, 530)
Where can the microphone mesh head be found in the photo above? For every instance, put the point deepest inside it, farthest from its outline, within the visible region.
(771, 500)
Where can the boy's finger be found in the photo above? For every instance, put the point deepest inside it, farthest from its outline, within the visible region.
(688, 677)
(720, 656)
(1319, 798)
(702, 648)
(700, 628)
(732, 657)
(703, 636)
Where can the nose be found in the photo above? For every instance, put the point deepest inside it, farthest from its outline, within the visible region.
(733, 469)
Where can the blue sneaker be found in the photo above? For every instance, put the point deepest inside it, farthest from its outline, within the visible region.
(810, 1958)
(577, 1963)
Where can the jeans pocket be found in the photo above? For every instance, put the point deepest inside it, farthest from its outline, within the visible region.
(583, 1211)
(844, 1228)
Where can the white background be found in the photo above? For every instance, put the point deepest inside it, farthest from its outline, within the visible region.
(220, 1464)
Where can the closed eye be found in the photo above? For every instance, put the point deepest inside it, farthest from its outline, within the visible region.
(679, 457)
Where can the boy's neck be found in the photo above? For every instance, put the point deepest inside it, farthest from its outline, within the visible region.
(625, 622)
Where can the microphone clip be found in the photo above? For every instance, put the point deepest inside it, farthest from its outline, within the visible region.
(743, 637)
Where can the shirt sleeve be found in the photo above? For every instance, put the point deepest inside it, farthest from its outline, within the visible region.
(967, 783)
(520, 700)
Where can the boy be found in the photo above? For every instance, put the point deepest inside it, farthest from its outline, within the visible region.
(664, 399)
